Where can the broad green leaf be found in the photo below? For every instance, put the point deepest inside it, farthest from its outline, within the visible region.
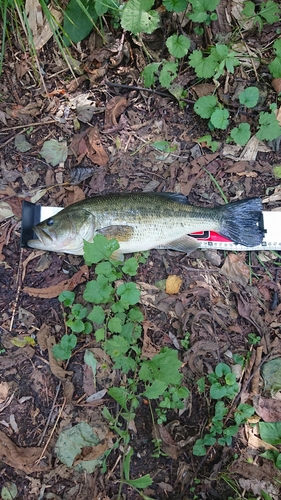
(9, 491)
(275, 67)
(67, 298)
(201, 385)
(219, 119)
(124, 363)
(222, 51)
(79, 312)
(54, 152)
(76, 325)
(178, 45)
(205, 67)
(270, 11)
(230, 379)
(88, 327)
(156, 389)
(270, 432)
(98, 291)
(220, 411)
(121, 395)
(222, 369)
(269, 127)
(142, 482)
(241, 134)
(128, 293)
(231, 431)
(277, 47)
(100, 334)
(201, 8)
(100, 249)
(217, 391)
(168, 73)
(249, 97)
(163, 366)
(148, 74)
(79, 18)
(103, 6)
(91, 361)
(114, 325)
(199, 449)
(108, 270)
(131, 266)
(205, 106)
(64, 348)
(249, 9)
(209, 440)
(135, 315)
(116, 346)
(136, 17)
(97, 315)
(243, 412)
(175, 5)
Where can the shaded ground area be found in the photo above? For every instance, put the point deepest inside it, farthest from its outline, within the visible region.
(107, 134)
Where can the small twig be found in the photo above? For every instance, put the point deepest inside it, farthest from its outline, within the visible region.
(50, 414)
(52, 432)
(19, 283)
(35, 124)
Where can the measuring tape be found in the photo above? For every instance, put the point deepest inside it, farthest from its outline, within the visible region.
(32, 214)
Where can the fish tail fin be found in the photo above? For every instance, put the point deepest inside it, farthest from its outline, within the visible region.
(241, 222)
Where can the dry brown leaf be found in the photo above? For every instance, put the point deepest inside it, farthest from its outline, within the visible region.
(4, 391)
(98, 73)
(54, 291)
(148, 348)
(268, 409)
(276, 84)
(96, 151)
(4, 238)
(23, 459)
(235, 269)
(68, 390)
(55, 365)
(45, 33)
(42, 335)
(201, 350)
(114, 108)
(75, 193)
(168, 445)
(173, 284)
(203, 89)
(15, 358)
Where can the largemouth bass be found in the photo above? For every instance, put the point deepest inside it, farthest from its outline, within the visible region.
(141, 221)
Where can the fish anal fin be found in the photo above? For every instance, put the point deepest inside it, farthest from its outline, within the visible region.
(120, 233)
(185, 244)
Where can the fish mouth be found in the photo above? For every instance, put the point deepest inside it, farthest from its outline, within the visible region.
(42, 235)
(44, 239)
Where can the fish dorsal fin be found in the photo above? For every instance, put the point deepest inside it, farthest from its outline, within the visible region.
(185, 244)
(120, 232)
(178, 197)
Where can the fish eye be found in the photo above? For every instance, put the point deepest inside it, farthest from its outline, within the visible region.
(50, 222)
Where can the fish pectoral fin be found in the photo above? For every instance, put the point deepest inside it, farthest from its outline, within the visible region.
(121, 233)
(117, 255)
(185, 244)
